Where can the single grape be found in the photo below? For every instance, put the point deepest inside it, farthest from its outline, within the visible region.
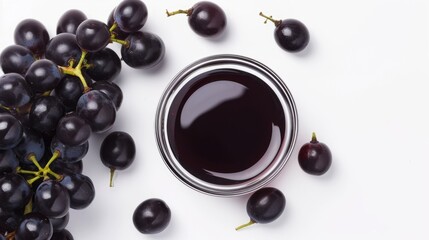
(14, 90)
(33, 35)
(58, 224)
(97, 109)
(72, 130)
(62, 235)
(10, 131)
(144, 50)
(264, 206)
(8, 161)
(45, 113)
(14, 192)
(62, 49)
(52, 199)
(43, 75)
(70, 20)
(80, 188)
(205, 18)
(69, 154)
(92, 35)
(111, 90)
(16, 59)
(34, 226)
(69, 90)
(315, 157)
(130, 15)
(117, 32)
(152, 216)
(104, 65)
(290, 34)
(117, 151)
(63, 168)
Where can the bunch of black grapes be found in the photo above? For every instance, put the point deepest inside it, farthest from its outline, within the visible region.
(55, 92)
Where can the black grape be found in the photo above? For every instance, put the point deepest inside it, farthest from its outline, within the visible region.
(62, 235)
(72, 130)
(16, 58)
(92, 35)
(62, 49)
(80, 188)
(151, 216)
(62, 167)
(118, 33)
(31, 143)
(69, 154)
(315, 157)
(70, 20)
(10, 131)
(33, 35)
(69, 90)
(34, 226)
(97, 110)
(45, 113)
(43, 75)
(14, 192)
(52, 199)
(14, 90)
(10, 219)
(8, 161)
(130, 15)
(104, 65)
(58, 224)
(144, 50)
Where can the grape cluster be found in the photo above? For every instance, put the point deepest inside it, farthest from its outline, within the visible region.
(55, 92)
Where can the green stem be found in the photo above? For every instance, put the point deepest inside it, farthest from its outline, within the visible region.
(187, 12)
(113, 27)
(313, 138)
(54, 157)
(251, 222)
(77, 71)
(112, 173)
(270, 18)
(31, 181)
(27, 172)
(29, 207)
(122, 42)
(33, 159)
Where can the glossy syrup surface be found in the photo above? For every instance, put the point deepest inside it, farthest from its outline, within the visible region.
(225, 126)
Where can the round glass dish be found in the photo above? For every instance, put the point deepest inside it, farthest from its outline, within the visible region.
(243, 121)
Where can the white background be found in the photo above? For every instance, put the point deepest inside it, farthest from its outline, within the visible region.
(362, 85)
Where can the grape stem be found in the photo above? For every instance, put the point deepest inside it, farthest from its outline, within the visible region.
(112, 173)
(113, 36)
(42, 172)
(251, 222)
(77, 71)
(313, 138)
(180, 11)
(276, 22)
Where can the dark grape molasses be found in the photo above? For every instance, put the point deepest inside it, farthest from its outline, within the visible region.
(225, 126)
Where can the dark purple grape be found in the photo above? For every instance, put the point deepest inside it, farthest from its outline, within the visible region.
(69, 90)
(45, 114)
(52, 199)
(62, 49)
(8, 161)
(14, 192)
(72, 130)
(16, 59)
(105, 65)
(130, 15)
(264, 206)
(62, 235)
(33, 35)
(152, 216)
(111, 90)
(34, 226)
(70, 20)
(43, 75)
(205, 18)
(117, 32)
(31, 143)
(58, 224)
(97, 110)
(14, 90)
(92, 35)
(80, 188)
(315, 157)
(144, 50)
(10, 131)
(117, 151)
(290, 34)
(9, 220)
(69, 154)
